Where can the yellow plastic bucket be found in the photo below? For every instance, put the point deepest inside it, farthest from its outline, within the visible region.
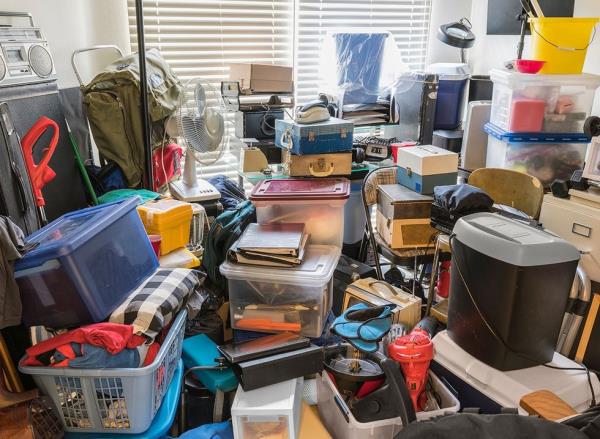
(562, 42)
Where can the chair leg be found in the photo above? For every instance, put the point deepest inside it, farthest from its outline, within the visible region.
(433, 277)
(218, 407)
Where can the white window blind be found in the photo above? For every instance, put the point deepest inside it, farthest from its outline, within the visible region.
(200, 38)
(407, 20)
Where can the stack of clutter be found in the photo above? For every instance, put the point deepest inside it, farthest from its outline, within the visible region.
(100, 307)
(169, 224)
(301, 221)
(316, 149)
(536, 123)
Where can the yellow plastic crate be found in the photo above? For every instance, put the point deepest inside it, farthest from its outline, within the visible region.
(170, 219)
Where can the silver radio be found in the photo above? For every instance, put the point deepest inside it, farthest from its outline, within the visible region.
(24, 56)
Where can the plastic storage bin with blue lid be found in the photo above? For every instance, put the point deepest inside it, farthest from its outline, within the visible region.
(87, 262)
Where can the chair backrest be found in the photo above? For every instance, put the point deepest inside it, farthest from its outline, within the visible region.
(512, 188)
(376, 178)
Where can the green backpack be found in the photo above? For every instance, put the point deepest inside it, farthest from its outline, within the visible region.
(224, 231)
(112, 101)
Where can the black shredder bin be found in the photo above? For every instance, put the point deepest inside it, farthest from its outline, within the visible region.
(519, 277)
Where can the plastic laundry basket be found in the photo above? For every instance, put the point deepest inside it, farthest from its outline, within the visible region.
(562, 42)
(112, 400)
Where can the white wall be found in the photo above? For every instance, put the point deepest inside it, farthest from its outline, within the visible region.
(72, 24)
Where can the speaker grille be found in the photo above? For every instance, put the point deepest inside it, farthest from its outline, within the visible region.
(2, 69)
(40, 61)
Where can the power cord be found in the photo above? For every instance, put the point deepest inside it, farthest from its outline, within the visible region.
(501, 340)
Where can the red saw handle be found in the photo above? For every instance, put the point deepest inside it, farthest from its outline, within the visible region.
(39, 173)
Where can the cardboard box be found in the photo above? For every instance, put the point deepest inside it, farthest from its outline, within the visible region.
(262, 78)
(405, 233)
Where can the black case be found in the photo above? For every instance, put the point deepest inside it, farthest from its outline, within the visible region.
(347, 271)
(16, 196)
(277, 368)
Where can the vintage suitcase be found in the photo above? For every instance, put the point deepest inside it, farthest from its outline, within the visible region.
(375, 292)
(423, 167)
(333, 135)
(403, 217)
(316, 165)
(16, 196)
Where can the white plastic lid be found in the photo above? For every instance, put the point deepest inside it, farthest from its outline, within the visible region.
(512, 241)
(514, 79)
(318, 267)
(449, 71)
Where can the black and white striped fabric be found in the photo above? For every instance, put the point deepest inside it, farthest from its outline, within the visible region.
(156, 302)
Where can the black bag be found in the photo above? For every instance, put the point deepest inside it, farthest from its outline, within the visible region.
(454, 201)
(16, 196)
(471, 426)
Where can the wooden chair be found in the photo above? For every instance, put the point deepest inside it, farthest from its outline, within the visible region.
(405, 257)
(511, 188)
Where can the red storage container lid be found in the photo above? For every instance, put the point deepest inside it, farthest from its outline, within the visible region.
(301, 189)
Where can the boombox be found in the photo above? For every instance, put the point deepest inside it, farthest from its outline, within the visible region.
(258, 125)
(24, 56)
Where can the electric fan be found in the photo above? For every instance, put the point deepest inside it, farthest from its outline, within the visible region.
(200, 123)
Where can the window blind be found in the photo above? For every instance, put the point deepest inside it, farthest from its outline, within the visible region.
(200, 38)
(406, 20)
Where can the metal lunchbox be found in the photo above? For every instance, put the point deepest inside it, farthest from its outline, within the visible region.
(333, 135)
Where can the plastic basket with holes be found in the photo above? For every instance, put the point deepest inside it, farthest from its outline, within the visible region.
(112, 400)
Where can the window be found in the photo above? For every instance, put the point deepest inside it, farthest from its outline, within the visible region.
(201, 37)
(407, 20)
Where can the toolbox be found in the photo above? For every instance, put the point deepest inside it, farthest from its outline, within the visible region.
(403, 217)
(269, 412)
(86, 263)
(316, 165)
(375, 292)
(423, 167)
(171, 219)
(316, 202)
(271, 299)
(333, 135)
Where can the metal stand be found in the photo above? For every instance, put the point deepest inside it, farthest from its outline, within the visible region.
(139, 16)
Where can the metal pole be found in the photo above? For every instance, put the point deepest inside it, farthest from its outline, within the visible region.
(139, 16)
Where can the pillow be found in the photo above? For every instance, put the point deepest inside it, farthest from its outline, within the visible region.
(156, 302)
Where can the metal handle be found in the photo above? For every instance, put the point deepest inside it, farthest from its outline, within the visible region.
(89, 49)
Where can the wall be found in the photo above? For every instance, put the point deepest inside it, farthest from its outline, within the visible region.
(442, 12)
(72, 24)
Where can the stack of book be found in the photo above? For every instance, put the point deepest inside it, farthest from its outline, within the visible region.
(272, 245)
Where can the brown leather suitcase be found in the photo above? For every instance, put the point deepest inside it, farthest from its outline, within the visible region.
(316, 165)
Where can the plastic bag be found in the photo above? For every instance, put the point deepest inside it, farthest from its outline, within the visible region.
(359, 66)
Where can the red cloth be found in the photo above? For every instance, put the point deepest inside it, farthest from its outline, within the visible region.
(114, 337)
(151, 354)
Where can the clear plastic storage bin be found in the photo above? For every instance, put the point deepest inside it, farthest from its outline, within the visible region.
(112, 400)
(341, 423)
(546, 160)
(86, 263)
(316, 202)
(271, 411)
(542, 103)
(297, 299)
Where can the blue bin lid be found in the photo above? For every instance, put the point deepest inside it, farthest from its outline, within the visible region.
(505, 136)
(63, 235)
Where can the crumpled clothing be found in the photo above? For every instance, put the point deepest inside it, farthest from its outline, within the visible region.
(113, 337)
(12, 247)
(86, 356)
(222, 430)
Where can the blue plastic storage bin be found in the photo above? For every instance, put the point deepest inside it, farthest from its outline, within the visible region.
(87, 262)
(451, 94)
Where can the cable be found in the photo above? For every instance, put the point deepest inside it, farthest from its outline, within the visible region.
(501, 340)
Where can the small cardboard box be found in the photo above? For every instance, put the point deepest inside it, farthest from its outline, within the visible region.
(262, 78)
